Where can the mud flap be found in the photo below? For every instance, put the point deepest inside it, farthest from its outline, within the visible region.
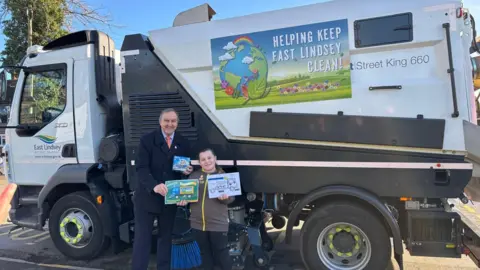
(472, 190)
(472, 146)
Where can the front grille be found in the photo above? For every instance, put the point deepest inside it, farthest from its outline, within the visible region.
(144, 110)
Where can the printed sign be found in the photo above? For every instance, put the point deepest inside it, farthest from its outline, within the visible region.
(396, 66)
(226, 183)
(290, 65)
(48, 148)
(181, 190)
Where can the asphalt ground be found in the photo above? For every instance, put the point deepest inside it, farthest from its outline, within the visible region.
(26, 249)
(36, 247)
(23, 249)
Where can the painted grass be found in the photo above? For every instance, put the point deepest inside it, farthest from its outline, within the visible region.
(223, 101)
(227, 102)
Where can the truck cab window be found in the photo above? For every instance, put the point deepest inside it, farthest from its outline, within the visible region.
(43, 97)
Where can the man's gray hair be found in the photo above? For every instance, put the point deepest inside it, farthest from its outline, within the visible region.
(167, 111)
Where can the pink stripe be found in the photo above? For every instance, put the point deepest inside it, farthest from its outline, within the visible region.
(387, 165)
(219, 162)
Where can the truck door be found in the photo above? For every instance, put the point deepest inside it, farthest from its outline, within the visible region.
(43, 111)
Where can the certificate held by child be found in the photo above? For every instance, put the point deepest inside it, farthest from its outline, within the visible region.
(224, 184)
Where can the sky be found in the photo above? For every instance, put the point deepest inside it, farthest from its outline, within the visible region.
(141, 16)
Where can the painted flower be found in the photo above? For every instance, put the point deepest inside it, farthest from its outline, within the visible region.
(224, 84)
(245, 91)
(229, 90)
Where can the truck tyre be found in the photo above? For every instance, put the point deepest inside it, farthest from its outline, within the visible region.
(76, 228)
(344, 235)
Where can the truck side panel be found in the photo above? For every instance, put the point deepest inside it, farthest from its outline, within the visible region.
(398, 76)
(269, 166)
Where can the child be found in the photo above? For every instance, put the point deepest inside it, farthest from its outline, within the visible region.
(209, 217)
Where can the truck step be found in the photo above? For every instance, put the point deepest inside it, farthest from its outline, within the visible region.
(28, 200)
(26, 195)
(432, 233)
(28, 222)
(28, 216)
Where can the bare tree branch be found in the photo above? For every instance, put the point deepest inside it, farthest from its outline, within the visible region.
(78, 10)
(74, 10)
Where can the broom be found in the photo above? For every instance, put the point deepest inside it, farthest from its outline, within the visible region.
(185, 250)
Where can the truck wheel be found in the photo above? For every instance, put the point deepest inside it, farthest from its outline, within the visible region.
(76, 228)
(344, 235)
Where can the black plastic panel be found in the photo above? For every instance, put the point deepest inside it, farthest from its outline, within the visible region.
(105, 81)
(145, 111)
(423, 133)
(382, 181)
(383, 30)
(432, 233)
(75, 39)
(147, 90)
(69, 150)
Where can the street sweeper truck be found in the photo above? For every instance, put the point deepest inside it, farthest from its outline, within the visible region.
(359, 124)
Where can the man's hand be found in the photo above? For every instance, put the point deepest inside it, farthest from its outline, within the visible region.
(189, 170)
(160, 189)
(223, 197)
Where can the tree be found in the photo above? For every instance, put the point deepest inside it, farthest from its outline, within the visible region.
(78, 10)
(27, 22)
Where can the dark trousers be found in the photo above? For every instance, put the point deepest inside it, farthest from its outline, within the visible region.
(214, 249)
(143, 238)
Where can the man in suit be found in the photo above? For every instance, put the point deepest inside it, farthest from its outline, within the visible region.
(154, 166)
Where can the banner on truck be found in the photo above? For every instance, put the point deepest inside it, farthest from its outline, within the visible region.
(289, 65)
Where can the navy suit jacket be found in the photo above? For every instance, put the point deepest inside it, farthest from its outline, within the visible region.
(154, 166)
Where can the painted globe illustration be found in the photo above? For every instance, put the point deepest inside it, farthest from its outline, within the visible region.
(243, 70)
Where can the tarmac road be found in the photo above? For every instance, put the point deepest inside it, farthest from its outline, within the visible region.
(15, 265)
(34, 250)
(25, 249)
(9, 264)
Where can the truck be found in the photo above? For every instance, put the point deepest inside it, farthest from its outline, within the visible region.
(358, 125)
